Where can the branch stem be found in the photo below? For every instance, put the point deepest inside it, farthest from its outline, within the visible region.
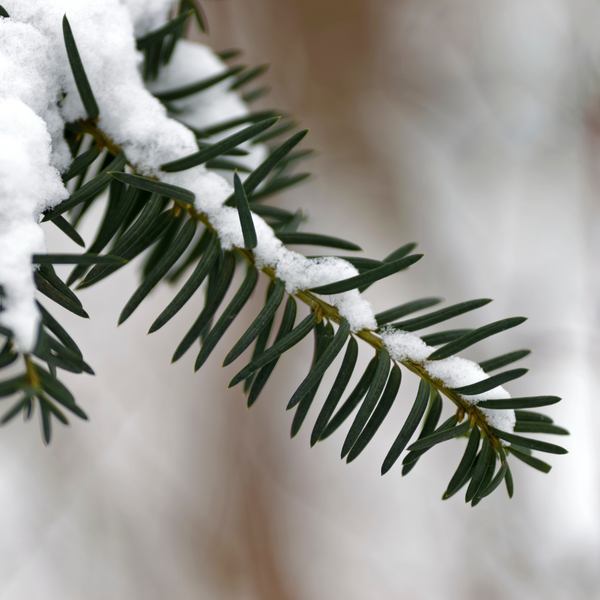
(317, 304)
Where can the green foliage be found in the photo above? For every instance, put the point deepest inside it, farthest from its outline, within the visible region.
(370, 402)
(219, 148)
(229, 314)
(387, 316)
(144, 215)
(439, 316)
(369, 277)
(410, 426)
(317, 239)
(257, 382)
(81, 80)
(263, 318)
(91, 189)
(199, 86)
(69, 230)
(325, 358)
(243, 208)
(475, 336)
(256, 117)
(81, 163)
(489, 384)
(77, 259)
(274, 159)
(156, 187)
(159, 35)
(383, 408)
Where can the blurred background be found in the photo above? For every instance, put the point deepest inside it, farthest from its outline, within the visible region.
(470, 127)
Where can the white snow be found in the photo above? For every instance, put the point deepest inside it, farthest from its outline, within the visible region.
(403, 345)
(34, 75)
(189, 64)
(31, 146)
(453, 372)
(28, 185)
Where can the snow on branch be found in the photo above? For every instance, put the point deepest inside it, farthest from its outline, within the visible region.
(38, 96)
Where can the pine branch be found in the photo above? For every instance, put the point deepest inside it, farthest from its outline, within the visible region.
(154, 212)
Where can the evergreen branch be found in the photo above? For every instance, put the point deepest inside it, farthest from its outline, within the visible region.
(81, 80)
(476, 418)
(155, 212)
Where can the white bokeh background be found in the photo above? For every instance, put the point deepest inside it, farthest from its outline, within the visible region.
(471, 127)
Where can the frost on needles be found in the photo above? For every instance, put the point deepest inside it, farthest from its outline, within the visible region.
(117, 75)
